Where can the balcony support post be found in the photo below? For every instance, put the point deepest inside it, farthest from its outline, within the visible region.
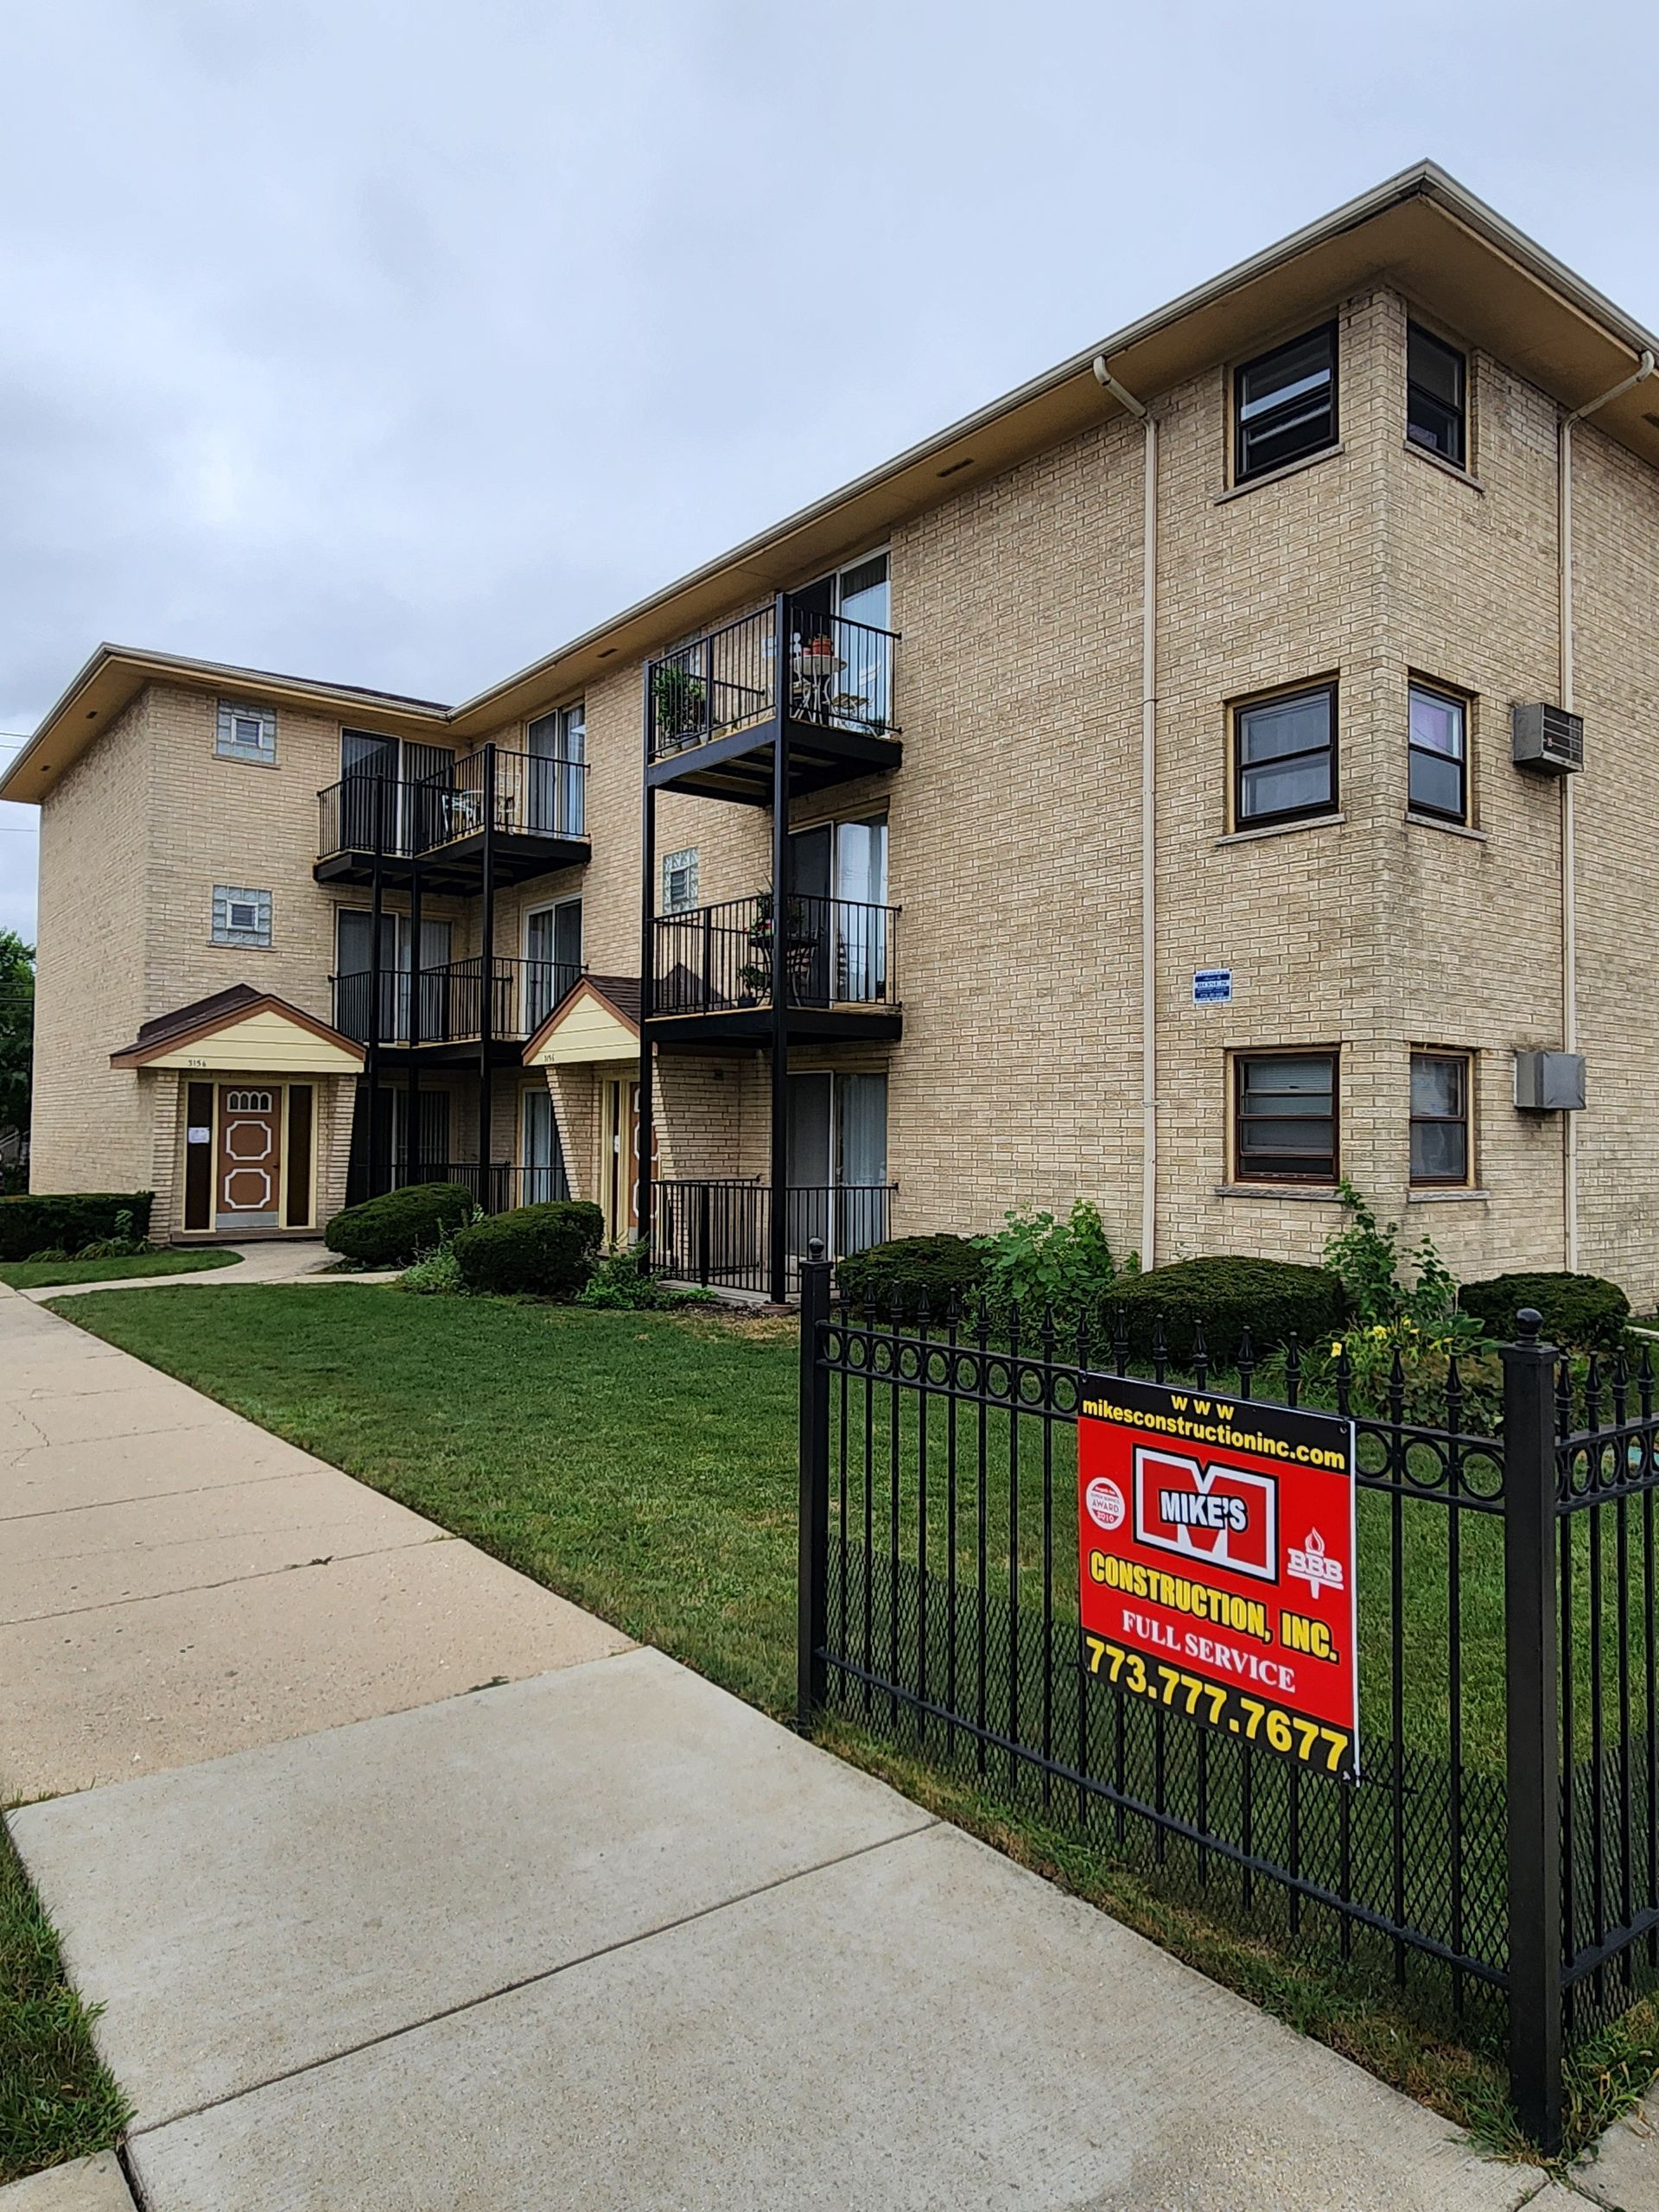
(412, 1099)
(487, 985)
(644, 1194)
(377, 915)
(778, 1237)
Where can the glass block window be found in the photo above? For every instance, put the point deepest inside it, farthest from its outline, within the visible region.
(680, 881)
(247, 732)
(241, 917)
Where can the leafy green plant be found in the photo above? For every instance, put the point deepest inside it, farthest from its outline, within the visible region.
(436, 1276)
(1583, 1313)
(622, 1280)
(941, 1266)
(401, 1226)
(547, 1251)
(123, 1244)
(1275, 1299)
(47, 1221)
(677, 699)
(1036, 1262)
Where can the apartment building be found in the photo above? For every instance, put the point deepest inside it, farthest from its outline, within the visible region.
(1230, 761)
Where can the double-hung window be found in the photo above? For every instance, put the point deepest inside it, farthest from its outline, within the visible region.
(1285, 757)
(1440, 1117)
(246, 733)
(1285, 404)
(1436, 396)
(1439, 754)
(1285, 1117)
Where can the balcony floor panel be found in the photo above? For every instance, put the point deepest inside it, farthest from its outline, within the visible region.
(460, 867)
(739, 767)
(752, 1025)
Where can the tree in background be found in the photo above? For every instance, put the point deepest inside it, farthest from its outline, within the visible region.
(16, 1029)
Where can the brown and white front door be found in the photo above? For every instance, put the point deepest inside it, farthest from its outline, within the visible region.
(248, 1178)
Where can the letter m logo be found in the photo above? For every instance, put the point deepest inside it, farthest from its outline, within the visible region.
(1227, 1516)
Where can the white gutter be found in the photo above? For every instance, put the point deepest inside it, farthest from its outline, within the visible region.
(1148, 815)
(1644, 369)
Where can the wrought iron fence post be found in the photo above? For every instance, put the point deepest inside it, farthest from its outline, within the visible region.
(705, 1197)
(1532, 1696)
(813, 1623)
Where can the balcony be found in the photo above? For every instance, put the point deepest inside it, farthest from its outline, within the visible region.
(525, 812)
(715, 709)
(453, 1004)
(717, 1233)
(712, 971)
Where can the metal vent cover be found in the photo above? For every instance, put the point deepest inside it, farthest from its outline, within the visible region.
(1546, 739)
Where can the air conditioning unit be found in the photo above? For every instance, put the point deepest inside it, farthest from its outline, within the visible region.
(1549, 1082)
(1547, 740)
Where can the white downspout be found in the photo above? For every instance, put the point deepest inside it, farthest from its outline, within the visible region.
(1644, 369)
(1148, 815)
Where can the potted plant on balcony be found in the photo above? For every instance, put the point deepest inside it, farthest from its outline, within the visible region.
(678, 702)
(800, 950)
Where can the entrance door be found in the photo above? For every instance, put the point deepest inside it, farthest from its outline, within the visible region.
(248, 1182)
(622, 1142)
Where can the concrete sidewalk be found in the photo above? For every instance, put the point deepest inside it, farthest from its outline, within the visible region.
(598, 1935)
(280, 1259)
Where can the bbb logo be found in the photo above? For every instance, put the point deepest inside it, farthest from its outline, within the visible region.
(1228, 1516)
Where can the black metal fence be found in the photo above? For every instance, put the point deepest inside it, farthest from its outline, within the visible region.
(716, 1232)
(522, 794)
(1496, 1863)
(831, 673)
(721, 958)
(451, 1001)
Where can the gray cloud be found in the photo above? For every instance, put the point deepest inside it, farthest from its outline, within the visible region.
(396, 341)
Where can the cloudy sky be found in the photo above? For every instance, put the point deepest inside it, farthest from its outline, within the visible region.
(397, 340)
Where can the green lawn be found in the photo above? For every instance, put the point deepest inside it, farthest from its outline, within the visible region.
(40, 1275)
(644, 1466)
(56, 2101)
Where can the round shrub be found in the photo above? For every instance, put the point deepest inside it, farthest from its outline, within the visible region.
(907, 1267)
(395, 1230)
(1276, 1299)
(548, 1251)
(1581, 1313)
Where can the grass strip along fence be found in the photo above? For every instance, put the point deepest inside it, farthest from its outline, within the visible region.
(1497, 1861)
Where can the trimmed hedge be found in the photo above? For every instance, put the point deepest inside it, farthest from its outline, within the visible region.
(395, 1230)
(1581, 1313)
(909, 1266)
(44, 1220)
(1275, 1299)
(548, 1251)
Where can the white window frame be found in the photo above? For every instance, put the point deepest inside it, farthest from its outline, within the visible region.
(227, 897)
(229, 746)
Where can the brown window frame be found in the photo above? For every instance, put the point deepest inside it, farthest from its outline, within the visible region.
(1465, 1120)
(1243, 1060)
(1324, 687)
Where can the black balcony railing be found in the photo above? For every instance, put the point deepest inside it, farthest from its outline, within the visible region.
(832, 673)
(721, 959)
(717, 1232)
(532, 795)
(452, 1002)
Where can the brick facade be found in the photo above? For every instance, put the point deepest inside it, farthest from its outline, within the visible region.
(1014, 845)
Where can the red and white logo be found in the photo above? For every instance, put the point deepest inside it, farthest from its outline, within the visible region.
(1226, 1516)
(1105, 1502)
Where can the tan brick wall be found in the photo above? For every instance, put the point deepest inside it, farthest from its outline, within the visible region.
(1015, 829)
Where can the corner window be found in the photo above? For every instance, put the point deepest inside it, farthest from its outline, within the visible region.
(1285, 757)
(1436, 385)
(1285, 403)
(1285, 1117)
(241, 917)
(680, 881)
(247, 732)
(1439, 754)
(1440, 1117)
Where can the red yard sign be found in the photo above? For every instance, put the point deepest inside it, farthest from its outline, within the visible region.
(1216, 1564)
